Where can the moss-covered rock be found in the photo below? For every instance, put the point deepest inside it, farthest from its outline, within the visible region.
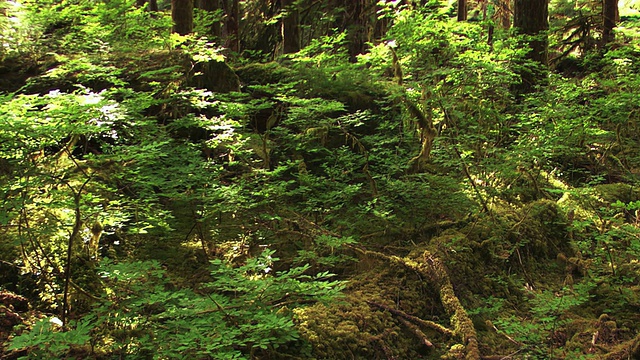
(215, 76)
(264, 73)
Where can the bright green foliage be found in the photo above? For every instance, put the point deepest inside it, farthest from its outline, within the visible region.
(240, 313)
(45, 340)
(165, 198)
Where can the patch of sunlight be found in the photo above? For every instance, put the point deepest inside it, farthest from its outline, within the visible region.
(629, 7)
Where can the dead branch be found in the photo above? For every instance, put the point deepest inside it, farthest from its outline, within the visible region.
(433, 269)
(414, 319)
(417, 332)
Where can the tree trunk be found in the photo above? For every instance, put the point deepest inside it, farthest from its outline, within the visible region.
(153, 6)
(212, 6)
(232, 24)
(505, 13)
(182, 15)
(462, 10)
(290, 28)
(609, 14)
(531, 18)
(358, 24)
(381, 25)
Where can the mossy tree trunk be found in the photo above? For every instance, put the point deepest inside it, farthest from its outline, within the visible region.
(151, 7)
(182, 15)
(357, 21)
(462, 324)
(432, 268)
(212, 6)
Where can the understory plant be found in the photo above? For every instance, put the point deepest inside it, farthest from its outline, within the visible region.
(243, 311)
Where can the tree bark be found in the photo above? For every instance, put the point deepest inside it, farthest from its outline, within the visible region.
(290, 28)
(153, 6)
(531, 18)
(232, 24)
(358, 24)
(505, 13)
(462, 10)
(609, 14)
(182, 15)
(212, 6)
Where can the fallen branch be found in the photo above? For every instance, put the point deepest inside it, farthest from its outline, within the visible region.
(417, 332)
(462, 324)
(432, 268)
(414, 319)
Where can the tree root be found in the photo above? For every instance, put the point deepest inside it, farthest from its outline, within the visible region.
(433, 269)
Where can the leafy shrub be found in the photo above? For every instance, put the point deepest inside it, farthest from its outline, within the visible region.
(241, 312)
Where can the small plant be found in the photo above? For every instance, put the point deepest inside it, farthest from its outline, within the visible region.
(243, 311)
(46, 341)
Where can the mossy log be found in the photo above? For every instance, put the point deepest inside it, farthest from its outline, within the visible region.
(627, 350)
(433, 269)
(462, 324)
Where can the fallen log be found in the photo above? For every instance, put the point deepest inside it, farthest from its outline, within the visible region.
(432, 268)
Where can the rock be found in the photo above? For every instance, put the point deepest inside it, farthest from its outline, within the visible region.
(215, 76)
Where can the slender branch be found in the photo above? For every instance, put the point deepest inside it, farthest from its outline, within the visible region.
(417, 332)
(77, 196)
(414, 319)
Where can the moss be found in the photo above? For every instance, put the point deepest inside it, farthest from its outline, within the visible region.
(215, 76)
(264, 74)
(353, 329)
(611, 193)
(348, 331)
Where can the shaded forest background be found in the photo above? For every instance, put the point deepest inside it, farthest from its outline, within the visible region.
(297, 179)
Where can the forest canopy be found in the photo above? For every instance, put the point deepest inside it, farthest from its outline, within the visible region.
(333, 179)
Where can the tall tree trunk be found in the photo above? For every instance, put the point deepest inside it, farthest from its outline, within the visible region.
(462, 10)
(609, 15)
(531, 18)
(381, 24)
(290, 28)
(358, 24)
(153, 6)
(505, 13)
(212, 6)
(232, 24)
(182, 15)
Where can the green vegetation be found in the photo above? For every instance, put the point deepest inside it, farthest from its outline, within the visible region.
(329, 179)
